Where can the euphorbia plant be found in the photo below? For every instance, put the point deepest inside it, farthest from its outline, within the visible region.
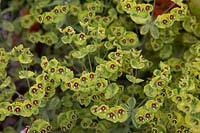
(100, 66)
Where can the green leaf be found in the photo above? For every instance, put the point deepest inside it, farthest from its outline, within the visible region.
(154, 32)
(111, 90)
(134, 122)
(139, 19)
(166, 51)
(79, 54)
(150, 91)
(91, 48)
(5, 83)
(136, 64)
(144, 29)
(131, 103)
(66, 39)
(99, 60)
(188, 23)
(134, 79)
(197, 30)
(26, 74)
(54, 103)
(8, 26)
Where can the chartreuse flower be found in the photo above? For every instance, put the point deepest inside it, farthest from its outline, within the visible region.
(129, 40)
(2, 114)
(86, 122)
(175, 64)
(152, 106)
(68, 30)
(134, 79)
(84, 99)
(64, 73)
(39, 126)
(116, 33)
(156, 44)
(121, 113)
(98, 33)
(143, 115)
(26, 74)
(27, 21)
(150, 90)
(180, 13)
(101, 84)
(106, 21)
(111, 90)
(84, 18)
(50, 38)
(37, 91)
(114, 114)
(21, 54)
(186, 84)
(67, 120)
(175, 118)
(165, 20)
(34, 37)
(159, 128)
(189, 23)
(80, 39)
(28, 108)
(48, 17)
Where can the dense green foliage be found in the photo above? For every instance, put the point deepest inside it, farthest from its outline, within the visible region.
(99, 66)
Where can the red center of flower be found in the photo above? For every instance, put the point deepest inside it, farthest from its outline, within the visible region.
(28, 106)
(76, 84)
(147, 8)
(48, 17)
(141, 118)
(34, 90)
(128, 6)
(138, 8)
(117, 54)
(9, 108)
(39, 85)
(83, 78)
(99, 84)
(35, 102)
(52, 70)
(17, 109)
(112, 66)
(48, 88)
(147, 115)
(82, 36)
(153, 105)
(120, 111)
(112, 115)
(103, 108)
(91, 76)
(164, 21)
(46, 77)
(60, 70)
(69, 84)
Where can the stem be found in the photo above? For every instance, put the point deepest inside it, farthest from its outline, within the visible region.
(90, 62)
(154, 4)
(57, 2)
(6, 10)
(141, 102)
(169, 8)
(28, 83)
(105, 54)
(27, 78)
(72, 46)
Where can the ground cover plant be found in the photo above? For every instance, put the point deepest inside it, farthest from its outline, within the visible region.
(104, 66)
